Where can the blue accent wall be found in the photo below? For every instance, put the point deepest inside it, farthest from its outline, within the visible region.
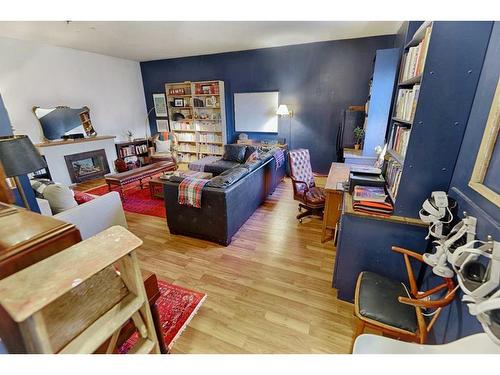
(456, 322)
(317, 80)
(5, 129)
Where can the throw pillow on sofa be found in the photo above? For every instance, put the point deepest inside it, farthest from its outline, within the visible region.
(234, 153)
(227, 178)
(59, 196)
(81, 197)
(162, 146)
(251, 151)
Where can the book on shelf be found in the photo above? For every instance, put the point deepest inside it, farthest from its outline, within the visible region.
(399, 139)
(413, 61)
(406, 103)
(373, 208)
(393, 176)
(369, 194)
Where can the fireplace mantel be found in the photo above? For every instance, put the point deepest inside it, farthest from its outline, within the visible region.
(73, 141)
(54, 153)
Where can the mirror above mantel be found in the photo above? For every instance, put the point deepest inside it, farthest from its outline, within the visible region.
(63, 122)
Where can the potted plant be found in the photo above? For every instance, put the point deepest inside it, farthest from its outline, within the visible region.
(359, 134)
(130, 135)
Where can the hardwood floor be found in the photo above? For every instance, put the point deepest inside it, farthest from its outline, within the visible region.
(268, 292)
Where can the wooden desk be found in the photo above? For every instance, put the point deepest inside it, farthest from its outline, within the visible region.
(339, 173)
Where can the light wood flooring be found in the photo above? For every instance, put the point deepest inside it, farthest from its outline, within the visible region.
(268, 292)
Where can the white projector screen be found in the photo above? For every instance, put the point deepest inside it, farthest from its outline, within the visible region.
(256, 112)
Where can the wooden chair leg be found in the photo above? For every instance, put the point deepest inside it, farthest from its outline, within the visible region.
(360, 328)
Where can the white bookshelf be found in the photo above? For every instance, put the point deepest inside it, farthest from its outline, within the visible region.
(202, 132)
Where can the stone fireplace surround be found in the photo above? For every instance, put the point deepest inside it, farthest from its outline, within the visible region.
(54, 153)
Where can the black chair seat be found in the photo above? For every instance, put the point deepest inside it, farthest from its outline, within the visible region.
(378, 301)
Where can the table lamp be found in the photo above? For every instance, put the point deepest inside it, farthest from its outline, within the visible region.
(19, 157)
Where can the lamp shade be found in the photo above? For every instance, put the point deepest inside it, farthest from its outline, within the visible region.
(283, 110)
(19, 156)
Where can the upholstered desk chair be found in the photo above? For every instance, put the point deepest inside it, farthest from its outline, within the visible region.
(311, 197)
(388, 306)
(156, 154)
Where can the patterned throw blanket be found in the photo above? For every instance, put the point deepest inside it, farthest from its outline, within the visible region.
(279, 156)
(190, 191)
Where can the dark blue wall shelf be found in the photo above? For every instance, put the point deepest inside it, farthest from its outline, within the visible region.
(448, 84)
(455, 100)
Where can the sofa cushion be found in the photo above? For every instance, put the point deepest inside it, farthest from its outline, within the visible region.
(228, 177)
(252, 164)
(60, 197)
(251, 150)
(219, 166)
(234, 153)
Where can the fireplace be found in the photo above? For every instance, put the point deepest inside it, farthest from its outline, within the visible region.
(87, 165)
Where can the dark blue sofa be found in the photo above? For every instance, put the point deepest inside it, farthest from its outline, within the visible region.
(223, 209)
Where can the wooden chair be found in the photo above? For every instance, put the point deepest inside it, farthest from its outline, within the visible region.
(155, 156)
(311, 198)
(383, 304)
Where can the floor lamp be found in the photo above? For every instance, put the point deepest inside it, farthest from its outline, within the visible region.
(19, 157)
(283, 111)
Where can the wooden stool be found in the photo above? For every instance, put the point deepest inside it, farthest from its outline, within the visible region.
(73, 301)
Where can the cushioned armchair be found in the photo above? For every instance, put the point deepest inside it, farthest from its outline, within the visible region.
(165, 150)
(311, 197)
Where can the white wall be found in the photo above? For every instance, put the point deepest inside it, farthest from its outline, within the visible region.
(34, 74)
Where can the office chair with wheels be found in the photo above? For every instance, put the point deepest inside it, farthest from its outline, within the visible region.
(311, 197)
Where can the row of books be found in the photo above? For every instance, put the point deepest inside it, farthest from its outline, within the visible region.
(399, 139)
(211, 149)
(181, 125)
(393, 176)
(133, 150)
(186, 137)
(210, 137)
(406, 103)
(204, 126)
(412, 63)
(186, 158)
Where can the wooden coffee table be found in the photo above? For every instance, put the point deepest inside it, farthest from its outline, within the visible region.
(156, 184)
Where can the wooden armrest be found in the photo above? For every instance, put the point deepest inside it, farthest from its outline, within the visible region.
(426, 303)
(410, 253)
(300, 182)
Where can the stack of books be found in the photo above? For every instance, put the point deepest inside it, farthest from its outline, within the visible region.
(399, 139)
(414, 60)
(393, 176)
(371, 200)
(406, 103)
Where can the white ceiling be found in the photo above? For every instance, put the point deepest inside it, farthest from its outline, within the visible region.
(144, 41)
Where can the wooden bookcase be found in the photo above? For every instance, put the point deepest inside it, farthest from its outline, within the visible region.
(197, 115)
(434, 127)
(133, 152)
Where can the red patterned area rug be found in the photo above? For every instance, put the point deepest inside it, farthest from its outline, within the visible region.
(176, 307)
(137, 200)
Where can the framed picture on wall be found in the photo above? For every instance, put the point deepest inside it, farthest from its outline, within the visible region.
(162, 126)
(160, 104)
